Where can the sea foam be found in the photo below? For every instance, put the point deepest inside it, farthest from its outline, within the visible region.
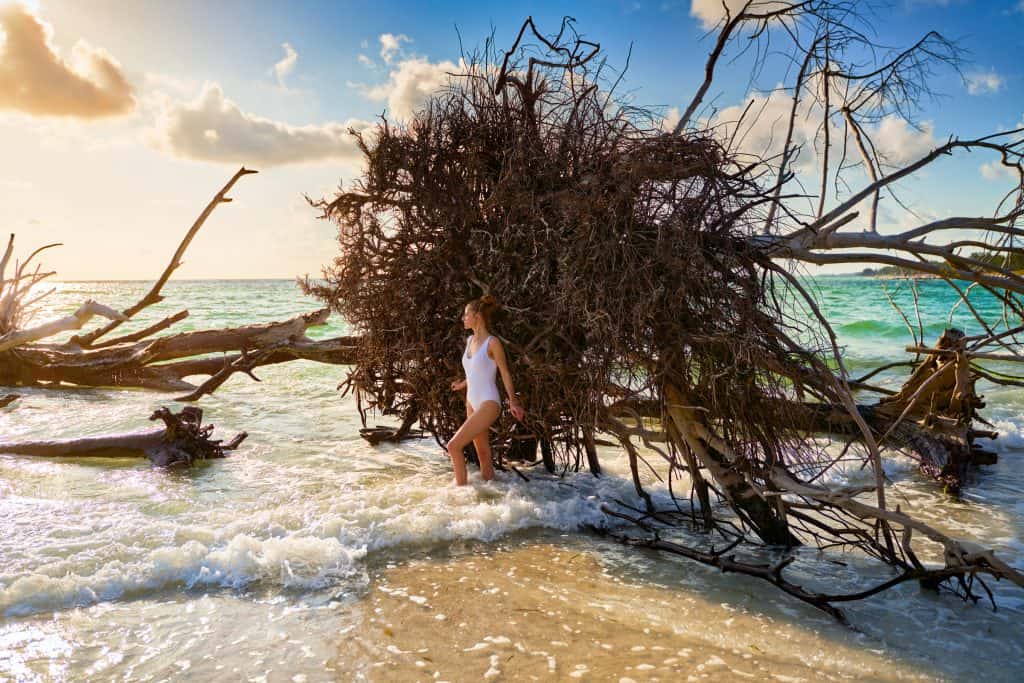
(331, 543)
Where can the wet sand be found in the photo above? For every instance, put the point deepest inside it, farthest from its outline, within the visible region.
(541, 612)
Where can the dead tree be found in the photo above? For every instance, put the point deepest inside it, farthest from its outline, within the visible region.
(141, 358)
(650, 287)
(182, 442)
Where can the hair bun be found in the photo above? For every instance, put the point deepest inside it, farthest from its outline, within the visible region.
(488, 300)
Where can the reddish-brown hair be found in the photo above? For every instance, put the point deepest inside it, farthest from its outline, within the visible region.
(486, 306)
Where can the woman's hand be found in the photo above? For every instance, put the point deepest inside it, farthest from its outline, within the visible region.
(458, 385)
(517, 409)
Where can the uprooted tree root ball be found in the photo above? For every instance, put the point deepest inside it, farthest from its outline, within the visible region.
(645, 288)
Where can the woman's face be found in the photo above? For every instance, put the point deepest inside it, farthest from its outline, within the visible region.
(469, 317)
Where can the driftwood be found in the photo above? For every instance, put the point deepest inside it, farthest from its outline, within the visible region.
(183, 441)
(75, 321)
(651, 287)
(142, 358)
(940, 400)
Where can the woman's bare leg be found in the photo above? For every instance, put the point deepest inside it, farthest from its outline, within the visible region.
(458, 457)
(482, 443)
(477, 422)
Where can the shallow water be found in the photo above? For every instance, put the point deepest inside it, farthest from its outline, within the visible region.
(309, 555)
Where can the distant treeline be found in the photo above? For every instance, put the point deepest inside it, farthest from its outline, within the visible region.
(1014, 262)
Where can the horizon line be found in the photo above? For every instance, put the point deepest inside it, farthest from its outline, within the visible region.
(184, 279)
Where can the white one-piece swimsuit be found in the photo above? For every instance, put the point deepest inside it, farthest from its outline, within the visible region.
(480, 376)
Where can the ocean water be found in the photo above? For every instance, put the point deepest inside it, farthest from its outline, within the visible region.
(309, 555)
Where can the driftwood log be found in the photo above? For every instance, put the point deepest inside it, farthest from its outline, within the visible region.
(181, 442)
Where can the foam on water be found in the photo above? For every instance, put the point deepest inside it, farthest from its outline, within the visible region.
(428, 511)
(328, 541)
(298, 562)
(1010, 440)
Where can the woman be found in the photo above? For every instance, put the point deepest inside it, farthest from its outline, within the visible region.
(484, 355)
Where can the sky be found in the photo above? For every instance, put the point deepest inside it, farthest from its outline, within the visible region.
(120, 120)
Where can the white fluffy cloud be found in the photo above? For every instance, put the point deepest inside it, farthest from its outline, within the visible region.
(983, 82)
(758, 127)
(34, 79)
(287, 63)
(994, 170)
(762, 132)
(213, 128)
(711, 12)
(410, 84)
(391, 44)
(900, 143)
(671, 118)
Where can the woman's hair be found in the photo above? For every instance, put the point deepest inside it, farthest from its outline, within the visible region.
(486, 306)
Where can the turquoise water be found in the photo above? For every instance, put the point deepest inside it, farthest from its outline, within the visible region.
(256, 567)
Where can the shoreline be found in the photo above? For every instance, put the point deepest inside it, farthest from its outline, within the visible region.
(567, 614)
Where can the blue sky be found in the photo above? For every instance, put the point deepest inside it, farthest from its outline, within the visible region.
(120, 185)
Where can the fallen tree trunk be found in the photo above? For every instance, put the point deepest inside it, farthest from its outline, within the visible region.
(932, 418)
(182, 441)
(131, 444)
(731, 473)
(75, 321)
(162, 364)
(944, 451)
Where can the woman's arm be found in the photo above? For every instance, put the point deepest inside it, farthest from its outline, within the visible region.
(497, 352)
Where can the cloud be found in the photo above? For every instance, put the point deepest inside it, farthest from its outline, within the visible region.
(213, 128)
(710, 13)
(758, 127)
(366, 61)
(981, 82)
(994, 170)
(390, 44)
(900, 143)
(671, 118)
(410, 84)
(287, 63)
(34, 79)
(167, 82)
